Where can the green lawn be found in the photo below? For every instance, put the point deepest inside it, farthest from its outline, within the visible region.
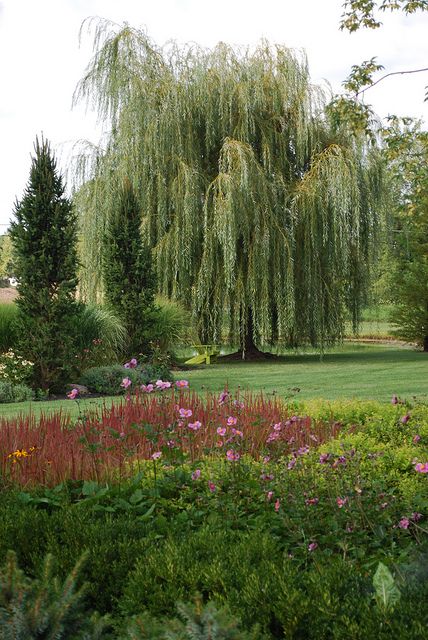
(351, 371)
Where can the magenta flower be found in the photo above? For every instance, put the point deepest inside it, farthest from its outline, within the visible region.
(182, 384)
(421, 467)
(277, 426)
(126, 382)
(147, 388)
(211, 487)
(266, 459)
(341, 502)
(219, 443)
(221, 431)
(224, 397)
(195, 425)
(185, 413)
(312, 546)
(73, 394)
(232, 456)
(303, 451)
(160, 384)
(231, 421)
(238, 404)
(324, 457)
(416, 516)
(237, 432)
(277, 504)
(416, 438)
(404, 523)
(273, 436)
(156, 455)
(196, 474)
(405, 419)
(394, 399)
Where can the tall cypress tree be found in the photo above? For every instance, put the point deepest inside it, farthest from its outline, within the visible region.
(44, 236)
(129, 281)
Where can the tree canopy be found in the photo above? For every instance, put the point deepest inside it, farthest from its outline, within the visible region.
(260, 212)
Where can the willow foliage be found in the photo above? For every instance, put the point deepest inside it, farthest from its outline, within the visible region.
(260, 216)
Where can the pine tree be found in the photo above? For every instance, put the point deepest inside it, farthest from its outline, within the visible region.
(44, 236)
(129, 282)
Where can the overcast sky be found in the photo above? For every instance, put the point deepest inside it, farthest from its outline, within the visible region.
(41, 62)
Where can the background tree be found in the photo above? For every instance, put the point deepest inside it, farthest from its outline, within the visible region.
(406, 149)
(7, 260)
(129, 282)
(44, 239)
(260, 217)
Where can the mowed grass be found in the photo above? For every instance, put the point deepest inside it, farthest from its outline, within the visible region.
(353, 371)
(357, 371)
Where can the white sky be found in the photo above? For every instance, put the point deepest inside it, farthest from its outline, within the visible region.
(41, 62)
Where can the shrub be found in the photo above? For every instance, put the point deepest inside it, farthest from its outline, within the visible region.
(100, 336)
(43, 608)
(172, 325)
(10, 392)
(107, 380)
(8, 326)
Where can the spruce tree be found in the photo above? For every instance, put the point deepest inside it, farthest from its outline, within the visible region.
(44, 235)
(129, 282)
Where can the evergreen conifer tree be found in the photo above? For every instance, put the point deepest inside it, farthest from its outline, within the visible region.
(129, 282)
(44, 235)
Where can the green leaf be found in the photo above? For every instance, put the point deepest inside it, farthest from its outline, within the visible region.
(387, 593)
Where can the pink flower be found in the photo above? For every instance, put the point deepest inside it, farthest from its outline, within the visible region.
(219, 443)
(405, 419)
(126, 382)
(341, 502)
(404, 523)
(160, 384)
(269, 495)
(133, 363)
(238, 404)
(277, 426)
(221, 431)
(224, 397)
(416, 516)
(273, 436)
(421, 467)
(266, 459)
(147, 388)
(185, 413)
(312, 546)
(232, 456)
(324, 457)
(156, 455)
(303, 451)
(122, 434)
(292, 463)
(416, 438)
(182, 384)
(195, 425)
(231, 421)
(394, 399)
(277, 504)
(73, 394)
(236, 432)
(196, 474)
(211, 486)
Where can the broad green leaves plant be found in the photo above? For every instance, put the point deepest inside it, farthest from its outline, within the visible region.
(387, 593)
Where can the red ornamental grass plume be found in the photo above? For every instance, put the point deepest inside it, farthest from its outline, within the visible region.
(102, 445)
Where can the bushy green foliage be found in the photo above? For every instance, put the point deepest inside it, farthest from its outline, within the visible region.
(172, 325)
(100, 336)
(8, 326)
(10, 392)
(44, 237)
(43, 608)
(107, 379)
(129, 282)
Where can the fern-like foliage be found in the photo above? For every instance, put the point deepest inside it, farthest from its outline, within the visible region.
(44, 608)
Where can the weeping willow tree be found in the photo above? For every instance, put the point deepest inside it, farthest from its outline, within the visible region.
(261, 217)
